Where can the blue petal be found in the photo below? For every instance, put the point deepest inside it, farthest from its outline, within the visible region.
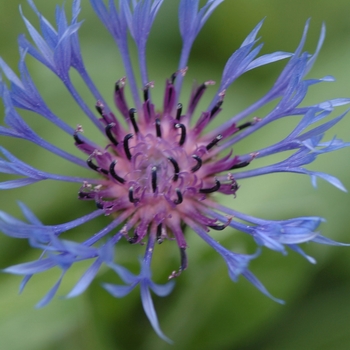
(148, 306)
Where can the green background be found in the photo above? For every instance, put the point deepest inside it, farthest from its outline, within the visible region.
(206, 310)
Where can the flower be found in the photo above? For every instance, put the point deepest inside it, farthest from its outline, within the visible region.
(157, 175)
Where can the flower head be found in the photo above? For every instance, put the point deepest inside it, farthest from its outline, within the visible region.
(157, 171)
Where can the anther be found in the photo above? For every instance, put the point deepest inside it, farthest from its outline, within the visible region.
(198, 165)
(183, 133)
(132, 112)
(216, 108)
(158, 130)
(214, 142)
(180, 71)
(109, 134)
(244, 125)
(119, 84)
(99, 205)
(133, 239)
(173, 77)
(183, 264)
(159, 234)
(114, 174)
(126, 145)
(95, 167)
(218, 104)
(99, 107)
(178, 111)
(154, 179)
(176, 168)
(146, 90)
(131, 195)
(240, 165)
(217, 227)
(211, 189)
(77, 139)
(179, 199)
(221, 227)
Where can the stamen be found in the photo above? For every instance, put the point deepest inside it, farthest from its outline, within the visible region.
(114, 174)
(216, 108)
(179, 199)
(183, 259)
(183, 265)
(173, 77)
(119, 84)
(158, 130)
(218, 104)
(239, 165)
(178, 111)
(212, 189)
(126, 145)
(131, 195)
(244, 125)
(95, 167)
(133, 239)
(77, 139)
(214, 142)
(132, 112)
(154, 179)
(176, 168)
(221, 227)
(217, 227)
(99, 205)
(183, 133)
(159, 234)
(198, 165)
(247, 124)
(99, 107)
(146, 90)
(109, 134)
(180, 71)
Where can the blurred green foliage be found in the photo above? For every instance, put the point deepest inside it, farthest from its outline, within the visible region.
(206, 310)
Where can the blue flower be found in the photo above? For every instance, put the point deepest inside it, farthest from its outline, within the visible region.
(157, 174)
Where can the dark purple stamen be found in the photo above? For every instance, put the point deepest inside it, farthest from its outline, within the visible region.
(77, 139)
(216, 108)
(197, 95)
(211, 189)
(178, 111)
(126, 145)
(158, 130)
(176, 168)
(173, 77)
(217, 227)
(244, 125)
(131, 195)
(179, 199)
(132, 112)
(183, 133)
(154, 179)
(133, 239)
(114, 174)
(146, 93)
(99, 108)
(109, 134)
(95, 167)
(183, 259)
(159, 234)
(84, 195)
(99, 205)
(240, 165)
(214, 142)
(198, 165)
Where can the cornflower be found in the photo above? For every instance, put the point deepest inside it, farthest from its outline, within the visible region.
(158, 172)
